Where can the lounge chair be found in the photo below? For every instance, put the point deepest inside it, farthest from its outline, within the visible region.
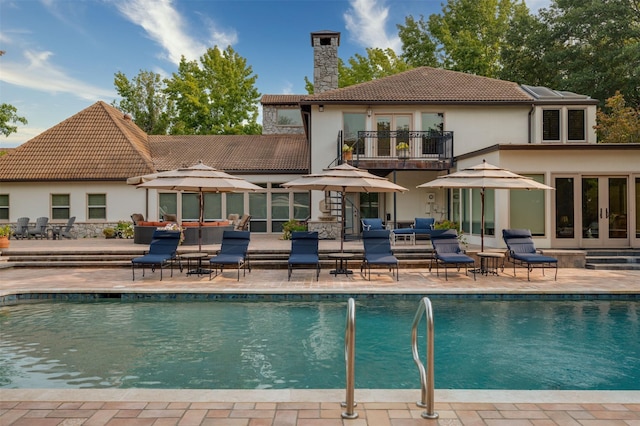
(21, 228)
(377, 251)
(372, 224)
(522, 251)
(447, 251)
(243, 224)
(64, 231)
(40, 228)
(233, 251)
(304, 251)
(162, 252)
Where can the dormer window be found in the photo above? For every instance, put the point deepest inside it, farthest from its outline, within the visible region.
(289, 117)
(563, 125)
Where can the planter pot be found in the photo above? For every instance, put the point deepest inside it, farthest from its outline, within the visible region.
(4, 242)
(403, 153)
(347, 155)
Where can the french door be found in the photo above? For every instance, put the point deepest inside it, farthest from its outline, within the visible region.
(385, 143)
(592, 211)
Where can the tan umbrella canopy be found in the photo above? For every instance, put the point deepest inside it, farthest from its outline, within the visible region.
(344, 178)
(198, 178)
(484, 176)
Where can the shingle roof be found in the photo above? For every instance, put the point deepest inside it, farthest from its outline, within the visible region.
(98, 143)
(281, 99)
(233, 153)
(426, 84)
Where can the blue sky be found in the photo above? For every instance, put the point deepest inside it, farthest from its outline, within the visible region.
(61, 55)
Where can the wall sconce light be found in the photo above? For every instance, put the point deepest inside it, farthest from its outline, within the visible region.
(369, 112)
(321, 108)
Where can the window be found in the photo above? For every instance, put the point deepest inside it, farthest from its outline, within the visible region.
(353, 123)
(96, 206)
(526, 209)
(279, 210)
(551, 125)
(289, 117)
(565, 227)
(575, 125)
(4, 206)
(301, 204)
(167, 203)
(191, 207)
(235, 204)
(60, 206)
(258, 211)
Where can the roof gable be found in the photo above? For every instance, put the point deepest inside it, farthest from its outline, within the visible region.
(98, 143)
(427, 85)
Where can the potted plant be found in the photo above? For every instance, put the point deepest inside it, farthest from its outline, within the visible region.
(402, 150)
(5, 232)
(109, 232)
(290, 226)
(347, 152)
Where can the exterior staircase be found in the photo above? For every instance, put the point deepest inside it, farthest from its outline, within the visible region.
(613, 259)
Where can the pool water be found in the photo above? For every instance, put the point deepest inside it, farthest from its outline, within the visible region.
(591, 345)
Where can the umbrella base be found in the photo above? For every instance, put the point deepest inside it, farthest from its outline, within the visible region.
(341, 263)
(336, 272)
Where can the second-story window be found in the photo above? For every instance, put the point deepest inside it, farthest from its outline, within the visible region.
(289, 117)
(575, 125)
(352, 124)
(551, 125)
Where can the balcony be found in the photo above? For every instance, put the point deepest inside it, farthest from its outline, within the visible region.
(378, 150)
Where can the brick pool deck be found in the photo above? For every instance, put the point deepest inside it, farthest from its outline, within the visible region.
(306, 407)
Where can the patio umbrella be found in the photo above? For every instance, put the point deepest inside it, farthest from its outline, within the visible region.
(198, 178)
(344, 178)
(484, 176)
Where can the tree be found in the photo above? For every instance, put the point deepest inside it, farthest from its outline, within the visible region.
(215, 96)
(467, 36)
(144, 98)
(8, 115)
(378, 63)
(589, 47)
(621, 124)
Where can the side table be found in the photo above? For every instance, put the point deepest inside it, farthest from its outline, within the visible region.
(196, 258)
(341, 263)
(489, 262)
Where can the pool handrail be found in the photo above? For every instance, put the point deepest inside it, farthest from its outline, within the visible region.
(350, 360)
(426, 377)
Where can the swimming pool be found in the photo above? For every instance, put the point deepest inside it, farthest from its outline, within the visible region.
(480, 344)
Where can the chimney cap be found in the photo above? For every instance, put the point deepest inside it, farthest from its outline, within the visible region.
(324, 34)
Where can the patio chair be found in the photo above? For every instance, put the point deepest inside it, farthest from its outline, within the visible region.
(21, 228)
(377, 251)
(447, 251)
(136, 218)
(162, 251)
(243, 224)
(40, 229)
(372, 224)
(522, 251)
(64, 231)
(233, 251)
(304, 251)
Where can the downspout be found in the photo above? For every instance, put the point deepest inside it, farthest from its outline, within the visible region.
(530, 127)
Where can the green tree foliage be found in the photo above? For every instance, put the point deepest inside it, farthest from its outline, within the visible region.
(215, 96)
(378, 63)
(9, 115)
(467, 36)
(621, 124)
(144, 98)
(585, 46)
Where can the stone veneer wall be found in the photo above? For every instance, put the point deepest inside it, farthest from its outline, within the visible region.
(325, 65)
(327, 230)
(270, 121)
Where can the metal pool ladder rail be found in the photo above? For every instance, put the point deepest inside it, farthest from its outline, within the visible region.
(350, 360)
(426, 378)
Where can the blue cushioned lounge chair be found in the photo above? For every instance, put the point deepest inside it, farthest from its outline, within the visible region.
(448, 252)
(233, 251)
(372, 224)
(377, 251)
(304, 251)
(522, 251)
(162, 252)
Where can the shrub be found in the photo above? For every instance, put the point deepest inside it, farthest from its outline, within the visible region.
(291, 226)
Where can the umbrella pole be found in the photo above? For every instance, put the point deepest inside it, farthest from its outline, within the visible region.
(482, 220)
(201, 202)
(343, 213)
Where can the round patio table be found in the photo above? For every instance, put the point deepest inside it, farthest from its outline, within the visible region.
(341, 259)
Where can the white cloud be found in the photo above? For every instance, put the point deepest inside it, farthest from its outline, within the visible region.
(38, 73)
(366, 21)
(164, 24)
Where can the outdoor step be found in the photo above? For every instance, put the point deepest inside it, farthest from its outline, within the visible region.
(613, 253)
(614, 266)
(613, 259)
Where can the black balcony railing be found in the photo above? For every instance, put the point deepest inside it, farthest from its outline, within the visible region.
(424, 145)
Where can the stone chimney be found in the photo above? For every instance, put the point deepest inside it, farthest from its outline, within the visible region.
(325, 60)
